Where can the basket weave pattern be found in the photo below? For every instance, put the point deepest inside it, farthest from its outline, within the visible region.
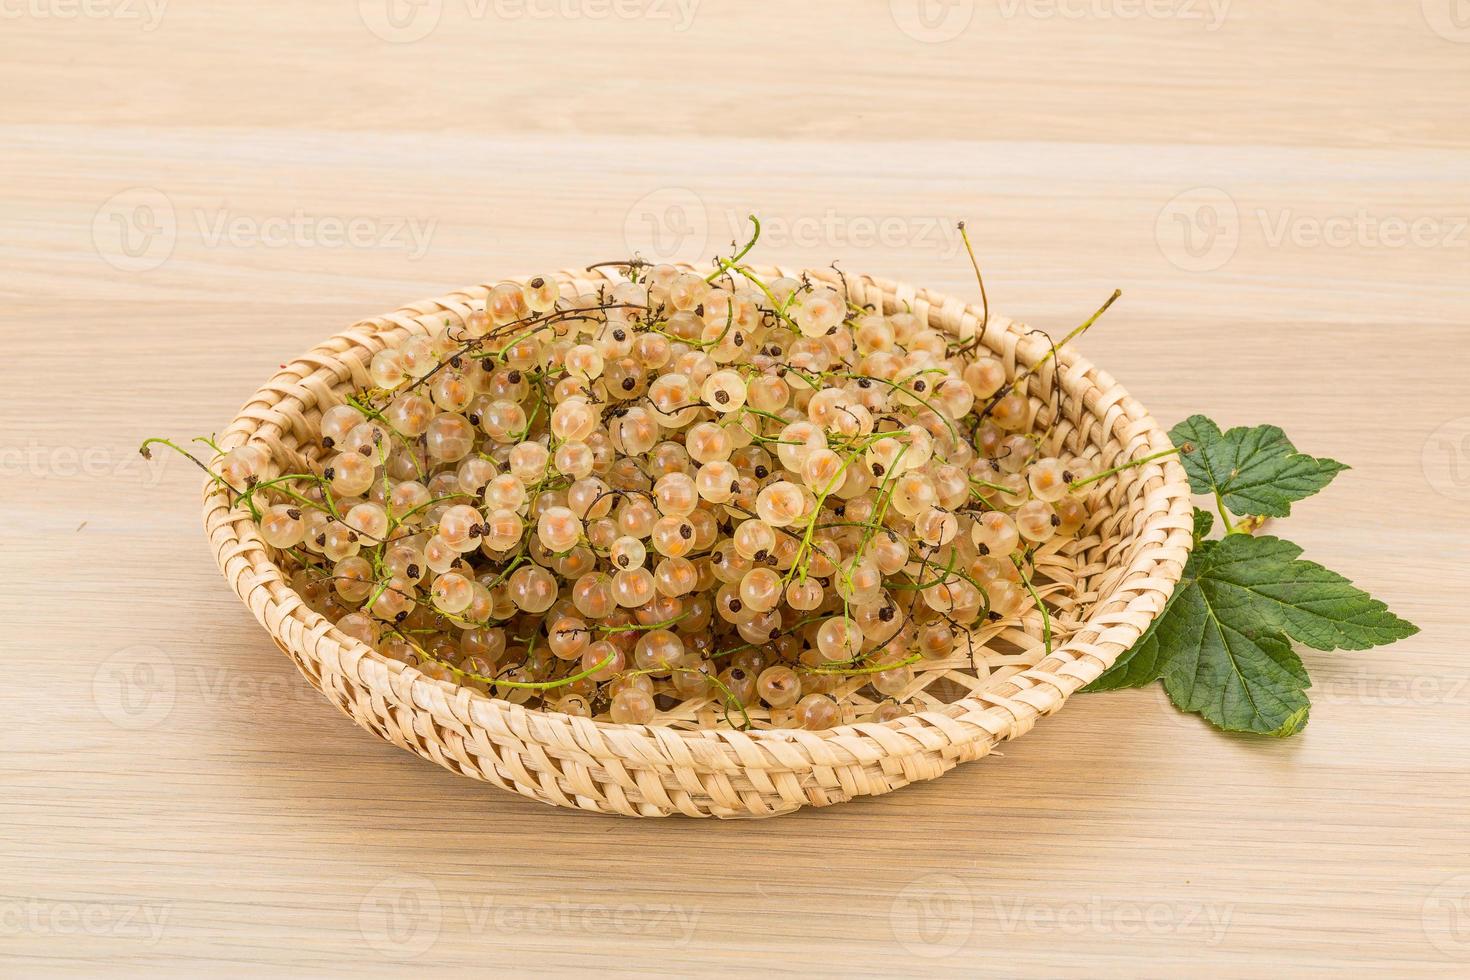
(1104, 589)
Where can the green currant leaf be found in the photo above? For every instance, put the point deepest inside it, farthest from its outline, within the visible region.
(1262, 582)
(1204, 523)
(1256, 471)
(1144, 662)
(1139, 665)
(1222, 645)
(1239, 677)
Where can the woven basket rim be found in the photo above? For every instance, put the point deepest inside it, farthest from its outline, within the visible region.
(1005, 711)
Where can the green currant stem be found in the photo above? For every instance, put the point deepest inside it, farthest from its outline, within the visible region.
(945, 573)
(1077, 484)
(874, 669)
(637, 627)
(730, 699)
(368, 411)
(1007, 388)
(990, 486)
(806, 539)
(1036, 597)
(147, 454)
(975, 342)
(922, 401)
(740, 254)
(778, 308)
(885, 496)
(248, 497)
(949, 570)
(500, 354)
(515, 563)
(426, 504)
(540, 320)
(1224, 514)
(524, 685)
(750, 646)
(622, 263)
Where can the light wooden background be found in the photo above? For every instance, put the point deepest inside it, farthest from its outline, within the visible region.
(1281, 190)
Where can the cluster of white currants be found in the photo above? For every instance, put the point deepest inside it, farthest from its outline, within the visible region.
(719, 490)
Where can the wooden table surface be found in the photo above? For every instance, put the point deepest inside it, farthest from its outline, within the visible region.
(191, 193)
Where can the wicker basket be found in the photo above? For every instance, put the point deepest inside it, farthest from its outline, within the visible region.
(1107, 586)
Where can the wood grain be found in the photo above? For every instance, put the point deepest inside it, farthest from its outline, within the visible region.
(176, 799)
